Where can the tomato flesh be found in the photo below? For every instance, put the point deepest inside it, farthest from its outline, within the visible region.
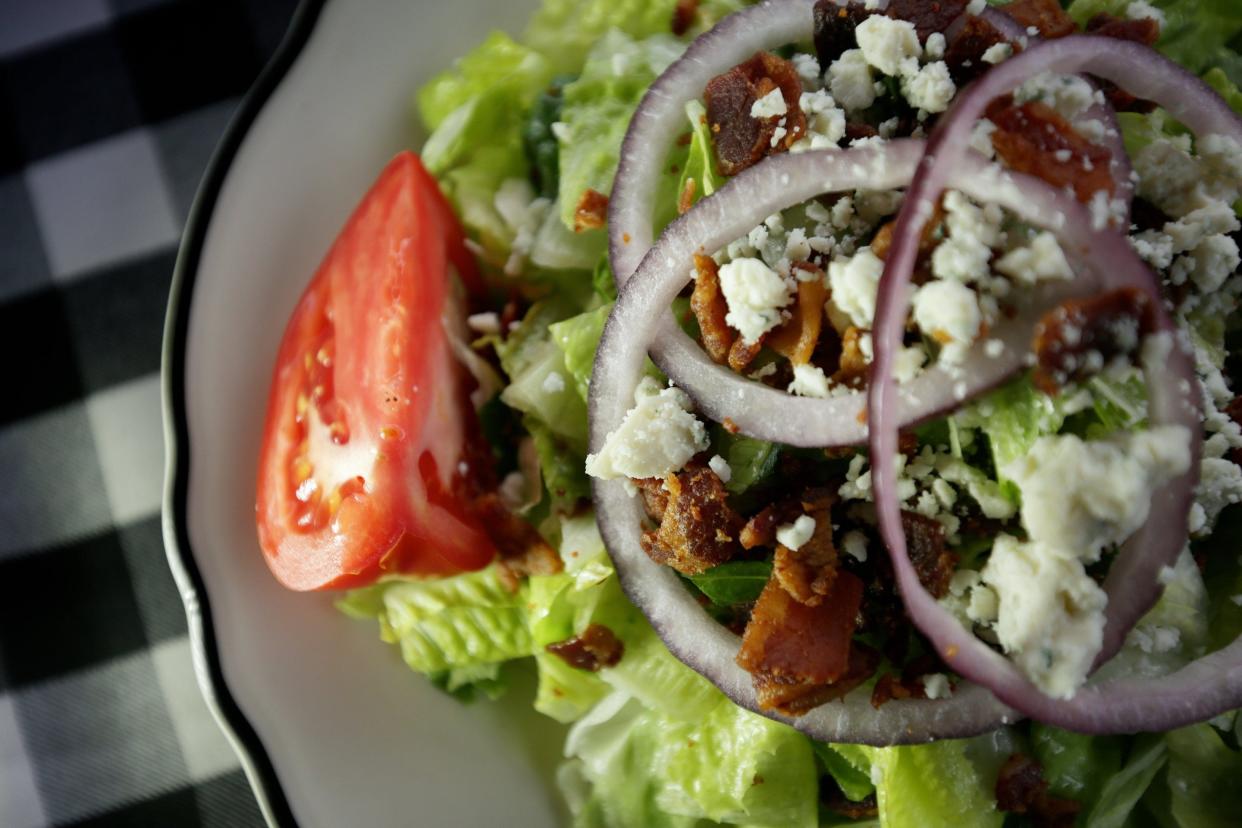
(367, 466)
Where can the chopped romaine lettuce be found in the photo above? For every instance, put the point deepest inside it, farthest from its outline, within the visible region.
(1123, 790)
(733, 583)
(578, 337)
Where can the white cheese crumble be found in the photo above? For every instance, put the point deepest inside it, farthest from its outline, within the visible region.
(1140, 10)
(929, 88)
(721, 467)
(1080, 496)
(886, 42)
(947, 311)
(808, 69)
(658, 435)
(1038, 261)
(809, 381)
(771, 105)
(793, 536)
(553, 383)
(522, 213)
(1051, 613)
(854, 283)
(484, 323)
(855, 545)
(997, 53)
(850, 81)
(755, 295)
(934, 48)
(936, 686)
(976, 7)
(1067, 94)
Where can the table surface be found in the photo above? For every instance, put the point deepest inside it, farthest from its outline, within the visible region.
(109, 111)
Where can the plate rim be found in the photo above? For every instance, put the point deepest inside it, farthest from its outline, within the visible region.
(255, 760)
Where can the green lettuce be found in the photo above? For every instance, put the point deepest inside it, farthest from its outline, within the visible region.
(597, 109)
(1123, 790)
(578, 337)
(1196, 34)
(1076, 766)
(540, 383)
(1203, 777)
(457, 630)
(1013, 417)
(701, 157)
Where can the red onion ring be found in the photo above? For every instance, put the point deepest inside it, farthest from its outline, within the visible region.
(1132, 584)
(693, 636)
(757, 410)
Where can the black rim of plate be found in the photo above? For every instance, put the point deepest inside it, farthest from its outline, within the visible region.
(254, 757)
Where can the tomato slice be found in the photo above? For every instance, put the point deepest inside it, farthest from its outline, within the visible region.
(370, 449)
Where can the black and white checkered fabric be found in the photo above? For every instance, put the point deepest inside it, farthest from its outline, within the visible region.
(108, 114)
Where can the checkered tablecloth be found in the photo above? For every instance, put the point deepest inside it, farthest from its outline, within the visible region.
(108, 114)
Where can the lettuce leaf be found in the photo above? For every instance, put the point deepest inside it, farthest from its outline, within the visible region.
(1123, 790)
(540, 384)
(578, 337)
(937, 784)
(449, 624)
(597, 109)
(729, 765)
(1196, 33)
(1203, 778)
(1076, 766)
(701, 159)
(1013, 417)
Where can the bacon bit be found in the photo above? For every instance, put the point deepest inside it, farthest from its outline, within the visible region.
(929, 553)
(927, 17)
(684, 139)
(1145, 31)
(743, 353)
(964, 51)
(1045, 15)
(786, 639)
(683, 16)
(523, 551)
(891, 687)
(809, 572)
(951, 652)
(856, 130)
(698, 529)
(596, 647)
(797, 338)
(592, 211)
(1021, 789)
(1028, 138)
(686, 199)
(837, 802)
(834, 29)
(655, 496)
(760, 530)
(730, 426)
(1110, 324)
(707, 302)
(853, 367)
(742, 141)
(794, 697)
(883, 240)
(625, 237)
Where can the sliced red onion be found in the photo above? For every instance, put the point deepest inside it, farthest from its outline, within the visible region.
(688, 631)
(758, 410)
(1132, 584)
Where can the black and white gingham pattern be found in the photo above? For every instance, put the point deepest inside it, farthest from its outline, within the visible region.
(108, 113)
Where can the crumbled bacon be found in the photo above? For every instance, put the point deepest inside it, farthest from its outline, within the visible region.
(709, 307)
(760, 530)
(1021, 789)
(927, 17)
(655, 497)
(523, 551)
(685, 200)
(741, 140)
(837, 802)
(808, 572)
(794, 697)
(683, 16)
(929, 552)
(595, 647)
(834, 29)
(592, 211)
(787, 640)
(890, 686)
(1080, 336)
(743, 353)
(699, 529)
(1033, 138)
(1145, 31)
(857, 130)
(797, 338)
(964, 51)
(853, 367)
(882, 241)
(1047, 16)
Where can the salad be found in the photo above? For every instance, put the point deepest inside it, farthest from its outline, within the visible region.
(832, 399)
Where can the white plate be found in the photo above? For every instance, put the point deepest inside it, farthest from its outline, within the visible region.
(332, 728)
